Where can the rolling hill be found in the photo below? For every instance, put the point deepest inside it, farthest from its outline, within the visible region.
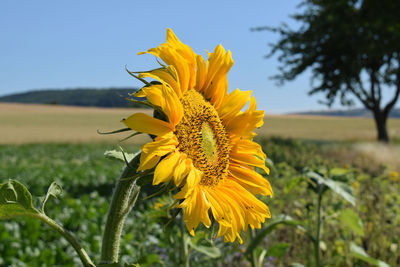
(110, 97)
(358, 112)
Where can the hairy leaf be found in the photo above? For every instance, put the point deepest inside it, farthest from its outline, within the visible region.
(15, 200)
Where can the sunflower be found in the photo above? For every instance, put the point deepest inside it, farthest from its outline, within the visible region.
(202, 140)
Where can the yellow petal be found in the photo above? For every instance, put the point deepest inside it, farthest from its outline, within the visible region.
(173, 106)
(233, 104)
(201, 72)
(246, 122)
(193, 177)
(250, 179)
(181, 57)
(147, 161)
(218, 65)
(247, 146)
(165, 168)
(153, 151)
(160, 147)
(164, 75)
(220, 210)
(187, 53)
(196, 210)
(153, 94)
(248, 159)
(141, 122)
(182, 169)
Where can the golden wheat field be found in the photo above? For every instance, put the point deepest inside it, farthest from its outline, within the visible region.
(30, 123)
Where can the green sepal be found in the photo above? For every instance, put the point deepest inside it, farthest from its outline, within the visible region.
(116, 131)
(119, 155)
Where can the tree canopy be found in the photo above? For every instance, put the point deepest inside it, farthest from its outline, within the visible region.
(352, 48)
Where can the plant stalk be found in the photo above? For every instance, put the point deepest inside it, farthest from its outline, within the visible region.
(185, 249)
(317, 239)
(123, 200)
(86, 261)
(253, 257)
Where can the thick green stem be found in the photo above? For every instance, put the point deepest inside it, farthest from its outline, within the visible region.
(86, 261)
(317, 239)
(123, 200)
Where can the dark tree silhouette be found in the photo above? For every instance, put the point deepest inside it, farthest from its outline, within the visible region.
(352, 48)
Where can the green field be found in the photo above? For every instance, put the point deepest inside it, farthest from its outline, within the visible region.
(87, 178)
(42, 144)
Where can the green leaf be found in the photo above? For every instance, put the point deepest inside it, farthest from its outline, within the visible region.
(118, 155)
(350, 219)
(338, 171)
(206, 247)
(149, 260)
(343, 190)
(120, 265)
(277, 250)
(281, 219)
(269, 163)
(54, 190)
(15, 200)
(359, 253)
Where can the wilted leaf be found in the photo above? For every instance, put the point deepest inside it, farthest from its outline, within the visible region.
(15, 200)
(54, 190)
(350, 219)
(359, 253)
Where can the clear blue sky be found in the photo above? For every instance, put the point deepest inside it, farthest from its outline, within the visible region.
(68, 44)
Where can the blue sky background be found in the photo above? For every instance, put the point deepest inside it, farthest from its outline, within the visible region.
(69, 44)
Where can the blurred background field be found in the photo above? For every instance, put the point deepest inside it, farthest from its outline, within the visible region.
(40, 144)
(30, 123)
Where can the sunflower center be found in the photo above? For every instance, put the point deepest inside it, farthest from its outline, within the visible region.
(202, 138)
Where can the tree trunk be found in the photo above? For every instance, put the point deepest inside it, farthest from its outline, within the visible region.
(381, 126)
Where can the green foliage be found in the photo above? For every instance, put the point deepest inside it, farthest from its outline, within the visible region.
(359, 253)
(351, 48)
(280, 219)
(342, 189)
(202, 244)
(87, 178)
(15, 200)
(350, 219)
(118, 155)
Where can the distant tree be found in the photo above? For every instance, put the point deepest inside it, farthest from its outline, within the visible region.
(352, 48)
